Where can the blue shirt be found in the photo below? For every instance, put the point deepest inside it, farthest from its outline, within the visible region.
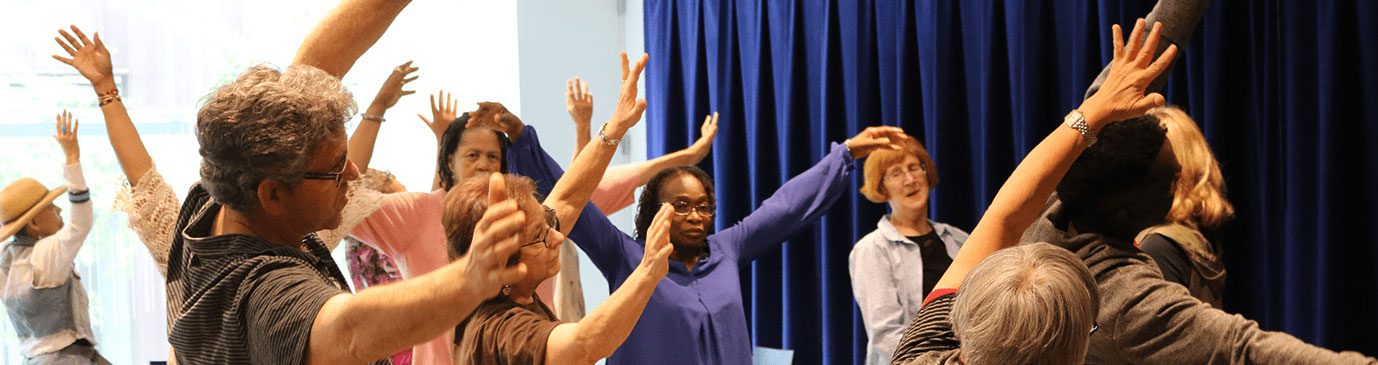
(695, 316)
(887, 280)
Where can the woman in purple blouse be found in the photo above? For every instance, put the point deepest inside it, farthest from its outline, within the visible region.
(696, 315)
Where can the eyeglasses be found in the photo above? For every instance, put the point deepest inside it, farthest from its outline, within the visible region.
(683, 208)
(337, 176)
(916, 171)
(1094, 327)
(552, 222)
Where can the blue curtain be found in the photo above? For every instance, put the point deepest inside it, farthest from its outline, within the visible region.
(1286, 92)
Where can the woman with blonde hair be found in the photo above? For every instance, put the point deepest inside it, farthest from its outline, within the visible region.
(1198, 203)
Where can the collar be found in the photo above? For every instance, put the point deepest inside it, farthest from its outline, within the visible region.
(891, 234)
(196, 234)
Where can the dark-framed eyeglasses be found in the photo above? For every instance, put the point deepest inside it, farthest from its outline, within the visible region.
(683, 208)
(552, 222)
(337, 176)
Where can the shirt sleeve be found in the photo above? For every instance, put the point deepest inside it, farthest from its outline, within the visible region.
(281, 302)
(363, 201)
(795, 205)
(617, 189)
(930, 331)
(1158, 322)
(390, 228)
(53, 256)
(516, 336)
(152, 207)
(1170, 258)
(876, 294)
(605, 245)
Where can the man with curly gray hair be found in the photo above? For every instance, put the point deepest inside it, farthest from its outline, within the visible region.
(248, 281)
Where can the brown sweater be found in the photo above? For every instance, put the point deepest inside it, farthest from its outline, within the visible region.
(1147, 320)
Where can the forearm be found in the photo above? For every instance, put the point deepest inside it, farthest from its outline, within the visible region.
(1018, 203)
(581, 138)
(378, 321)
(124, 138)
(53, 256)
(365, 137)
(346, 33)
(608, 325)
(573, 189)
(658, 164)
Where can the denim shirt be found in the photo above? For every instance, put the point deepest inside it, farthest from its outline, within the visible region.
(887, 280)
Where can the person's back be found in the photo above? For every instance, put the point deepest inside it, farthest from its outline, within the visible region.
(1115, 189)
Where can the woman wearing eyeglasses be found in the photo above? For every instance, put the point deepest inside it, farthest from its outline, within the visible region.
(516, 327)
(697, 316)
(896, 265)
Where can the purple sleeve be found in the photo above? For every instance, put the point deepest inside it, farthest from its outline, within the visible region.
(795, 205)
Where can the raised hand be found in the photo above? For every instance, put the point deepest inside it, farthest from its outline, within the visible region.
(67, 137)
(579, 101)
(495, 240)
(658, 248)
(872, 139)
(444, 113)
(496, 116)
(392, 88)
(704, 144)
(90, 58)
(1131, 71)
(629, 106)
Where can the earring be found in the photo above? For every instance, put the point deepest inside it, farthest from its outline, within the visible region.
(506, 290)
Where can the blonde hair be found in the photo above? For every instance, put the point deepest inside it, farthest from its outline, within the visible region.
(879, 161)
(1199, 192)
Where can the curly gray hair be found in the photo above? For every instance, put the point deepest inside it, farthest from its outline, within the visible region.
(265, 125)
(1028, 304)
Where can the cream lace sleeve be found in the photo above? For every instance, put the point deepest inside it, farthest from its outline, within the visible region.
(364, 199)
(152, 208)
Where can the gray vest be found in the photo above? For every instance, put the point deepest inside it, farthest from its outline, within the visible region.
(38, 313)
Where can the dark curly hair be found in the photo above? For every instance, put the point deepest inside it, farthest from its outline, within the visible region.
(449, 144)
(1115, 187)
(649, 203)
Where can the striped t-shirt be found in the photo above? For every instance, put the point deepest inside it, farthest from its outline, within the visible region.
(238, 299)
(929, 339)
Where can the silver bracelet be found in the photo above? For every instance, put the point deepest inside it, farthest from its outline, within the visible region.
(604, 137)
(378, 118)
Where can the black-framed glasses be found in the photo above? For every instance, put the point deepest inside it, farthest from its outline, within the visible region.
(552, 222)
(683, 208)
(337, 176)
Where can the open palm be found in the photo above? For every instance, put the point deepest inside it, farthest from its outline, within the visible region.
(90, 58)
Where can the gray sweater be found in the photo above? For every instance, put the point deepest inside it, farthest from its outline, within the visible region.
(1147, 320)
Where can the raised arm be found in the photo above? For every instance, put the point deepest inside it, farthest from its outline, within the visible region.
(691, 155)
(572, 191)
(92, 60)
(1021, 199)
(806, 197)
(602, 331)
(53, 256)
(350, 29)
(1179, 19)
(378, 321)
(579, 104)
(443, 114)
(362, 141)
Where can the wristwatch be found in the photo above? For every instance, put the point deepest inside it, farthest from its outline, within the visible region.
(1077, 121)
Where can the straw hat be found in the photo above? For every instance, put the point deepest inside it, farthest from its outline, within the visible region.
(20, 202)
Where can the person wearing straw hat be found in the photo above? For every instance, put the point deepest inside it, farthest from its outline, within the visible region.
(41, 292)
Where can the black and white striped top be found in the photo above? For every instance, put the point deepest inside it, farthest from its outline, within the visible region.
(929, 338)
(237, 299)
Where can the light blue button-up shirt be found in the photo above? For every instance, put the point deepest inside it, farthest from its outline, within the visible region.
(887, 280)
